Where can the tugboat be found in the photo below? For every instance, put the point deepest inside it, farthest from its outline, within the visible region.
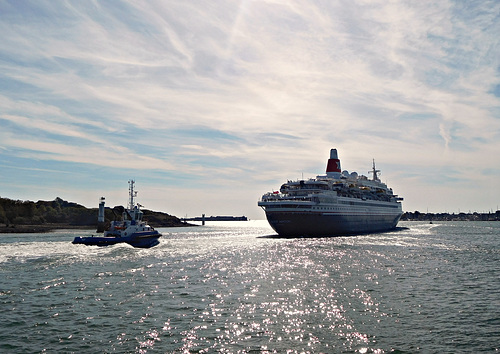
(336, 204)
(131, 229)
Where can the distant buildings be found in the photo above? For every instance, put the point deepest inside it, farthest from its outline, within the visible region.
(418, 216)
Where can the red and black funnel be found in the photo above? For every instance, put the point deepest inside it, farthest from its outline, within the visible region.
(333, 166)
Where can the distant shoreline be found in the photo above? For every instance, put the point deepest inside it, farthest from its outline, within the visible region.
(418, 216)
(17, 216)
(45, 228)
(25, 229)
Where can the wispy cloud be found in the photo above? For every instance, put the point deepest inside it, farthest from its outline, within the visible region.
(230, 94)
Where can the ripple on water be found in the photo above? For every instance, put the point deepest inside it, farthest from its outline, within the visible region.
(424, 288)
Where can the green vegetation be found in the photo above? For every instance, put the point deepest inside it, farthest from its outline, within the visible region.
(28, 216)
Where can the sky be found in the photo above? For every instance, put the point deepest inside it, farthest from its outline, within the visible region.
(208, 105)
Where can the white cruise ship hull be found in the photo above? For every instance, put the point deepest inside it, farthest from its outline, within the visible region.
(319, 224)
(291, 219)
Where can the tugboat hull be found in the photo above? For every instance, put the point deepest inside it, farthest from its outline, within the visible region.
(139, 239)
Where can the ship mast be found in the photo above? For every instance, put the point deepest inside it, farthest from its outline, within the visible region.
(374, 171)
(131, 194)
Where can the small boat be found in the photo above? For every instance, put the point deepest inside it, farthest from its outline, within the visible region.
(131, 229)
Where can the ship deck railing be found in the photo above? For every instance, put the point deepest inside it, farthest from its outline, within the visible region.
(282, 199)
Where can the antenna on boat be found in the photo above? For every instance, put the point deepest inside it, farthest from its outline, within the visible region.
(131, 194)
(374, 171)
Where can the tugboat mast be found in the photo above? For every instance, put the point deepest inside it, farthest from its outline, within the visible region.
(131, 194)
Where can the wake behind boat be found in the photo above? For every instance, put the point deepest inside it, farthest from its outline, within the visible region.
(131, 229)
(339, 203)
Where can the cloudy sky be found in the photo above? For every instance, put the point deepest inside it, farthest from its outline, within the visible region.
(210, 104)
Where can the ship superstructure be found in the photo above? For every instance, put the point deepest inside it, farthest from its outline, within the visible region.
(338, 203)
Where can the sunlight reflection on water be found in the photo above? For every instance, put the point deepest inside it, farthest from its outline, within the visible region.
(226, 288)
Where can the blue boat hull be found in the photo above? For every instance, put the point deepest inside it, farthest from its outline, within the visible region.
(145, 239)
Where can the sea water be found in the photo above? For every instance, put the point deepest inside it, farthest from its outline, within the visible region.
(229, 287)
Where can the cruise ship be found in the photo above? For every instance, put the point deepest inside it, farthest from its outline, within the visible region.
(336, 204)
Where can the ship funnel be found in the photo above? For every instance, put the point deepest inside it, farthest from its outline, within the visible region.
(333, 166)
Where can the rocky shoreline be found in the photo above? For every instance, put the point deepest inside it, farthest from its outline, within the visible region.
(23, 229)
(27, 229)
(18, 216)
